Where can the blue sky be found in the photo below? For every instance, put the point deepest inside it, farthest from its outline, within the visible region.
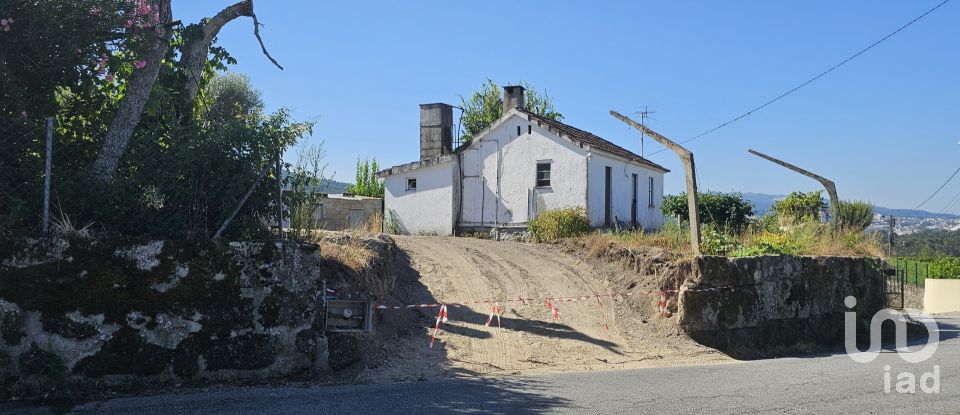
(883, 126)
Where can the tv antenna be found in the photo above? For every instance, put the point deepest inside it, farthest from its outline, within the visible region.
(643, 121)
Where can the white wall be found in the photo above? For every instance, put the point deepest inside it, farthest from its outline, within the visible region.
(428, 210)
(941, 296)
(621, 196)
(512, 158)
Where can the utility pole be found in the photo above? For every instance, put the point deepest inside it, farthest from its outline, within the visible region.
(689, 169)
(827, 184)
(891, 234)
(643, 121)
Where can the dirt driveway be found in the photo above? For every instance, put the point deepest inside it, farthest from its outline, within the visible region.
(459, 270)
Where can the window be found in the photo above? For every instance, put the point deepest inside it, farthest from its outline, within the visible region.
(633, 202)
(650, 191)
(411, 183)
(529, 129)
(518, 131)
(543, 174)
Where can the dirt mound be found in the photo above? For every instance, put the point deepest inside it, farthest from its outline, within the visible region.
(591, 333)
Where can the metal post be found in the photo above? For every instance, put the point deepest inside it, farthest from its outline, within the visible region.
(279, 197)
(47, 169)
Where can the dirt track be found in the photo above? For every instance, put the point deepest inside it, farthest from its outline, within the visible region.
(455, 270)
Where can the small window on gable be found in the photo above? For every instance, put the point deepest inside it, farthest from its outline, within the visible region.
(543, 174)
(411, 183)
(529, 129)
(518, 131)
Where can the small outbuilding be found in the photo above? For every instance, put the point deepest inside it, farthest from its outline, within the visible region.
(518, 167)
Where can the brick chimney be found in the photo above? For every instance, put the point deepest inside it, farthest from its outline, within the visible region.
(512, 97)
(436, 130)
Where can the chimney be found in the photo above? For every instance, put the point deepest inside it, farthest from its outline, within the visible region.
(512, 97)
(436, 130)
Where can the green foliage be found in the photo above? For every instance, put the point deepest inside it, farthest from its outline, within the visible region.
(485, 106)
(559, 223)
(305, 194)
(800, 207)
(366, 181)
(728, 211)
(715, 242)
(177, 180)
(929, 243)
(54, 44)
(917, 269)
(856, 215)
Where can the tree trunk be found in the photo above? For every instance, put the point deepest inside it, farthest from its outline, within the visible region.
(196, 49)
(135, 98)
(194, 58)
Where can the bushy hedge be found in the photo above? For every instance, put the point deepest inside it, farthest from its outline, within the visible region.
(800, 207)
(559, 223)
(726, 211)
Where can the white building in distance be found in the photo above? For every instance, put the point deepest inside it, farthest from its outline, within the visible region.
(519, 166)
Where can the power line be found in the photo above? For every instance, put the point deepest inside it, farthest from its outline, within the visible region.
(951, 203)
(939, 188)
(811, 80)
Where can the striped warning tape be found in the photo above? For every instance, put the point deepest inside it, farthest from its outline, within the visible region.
(551, 301)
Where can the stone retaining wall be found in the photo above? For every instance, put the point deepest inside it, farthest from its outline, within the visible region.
(777, 300)
(80, 316)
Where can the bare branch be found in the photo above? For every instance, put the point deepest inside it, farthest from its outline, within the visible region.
(256, 32)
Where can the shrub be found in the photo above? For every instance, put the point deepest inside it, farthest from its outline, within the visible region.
(856, 215)
(800, 207)
(723, 210)
(559, 223)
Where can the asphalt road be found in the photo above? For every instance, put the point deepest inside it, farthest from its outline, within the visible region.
(815, 384)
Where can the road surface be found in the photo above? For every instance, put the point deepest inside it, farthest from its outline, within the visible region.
(806, 385)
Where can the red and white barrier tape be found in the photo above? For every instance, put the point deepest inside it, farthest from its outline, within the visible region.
(525, 301)
(496, 311)
(441, 318)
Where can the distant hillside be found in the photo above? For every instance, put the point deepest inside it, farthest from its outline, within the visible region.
(333, 186)
(328, 186)
(762, 202)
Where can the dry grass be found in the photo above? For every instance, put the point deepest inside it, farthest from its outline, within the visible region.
(350, 252)
(804, 239)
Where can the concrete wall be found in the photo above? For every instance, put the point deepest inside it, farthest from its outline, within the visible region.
(622, 171)
(777, 300)
(430, 209)
(340, 213)
(499, 184)
(79, 317)
(941, 296)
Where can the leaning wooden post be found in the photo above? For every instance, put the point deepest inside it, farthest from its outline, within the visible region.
(827, 184)
(689, 169)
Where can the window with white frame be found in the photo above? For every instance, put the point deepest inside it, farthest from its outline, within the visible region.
(543, 174)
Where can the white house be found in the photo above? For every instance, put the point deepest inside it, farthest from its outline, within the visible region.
(520, 166)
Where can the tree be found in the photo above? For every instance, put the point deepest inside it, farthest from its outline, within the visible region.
(366, 181)
(485, 106)
(153, 41)
(723, 210)
(230, 96)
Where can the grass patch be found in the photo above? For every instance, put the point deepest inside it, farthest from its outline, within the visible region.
(807, 238)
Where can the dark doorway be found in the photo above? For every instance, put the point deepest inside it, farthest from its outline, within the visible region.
(633, 204)
(608, 191)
